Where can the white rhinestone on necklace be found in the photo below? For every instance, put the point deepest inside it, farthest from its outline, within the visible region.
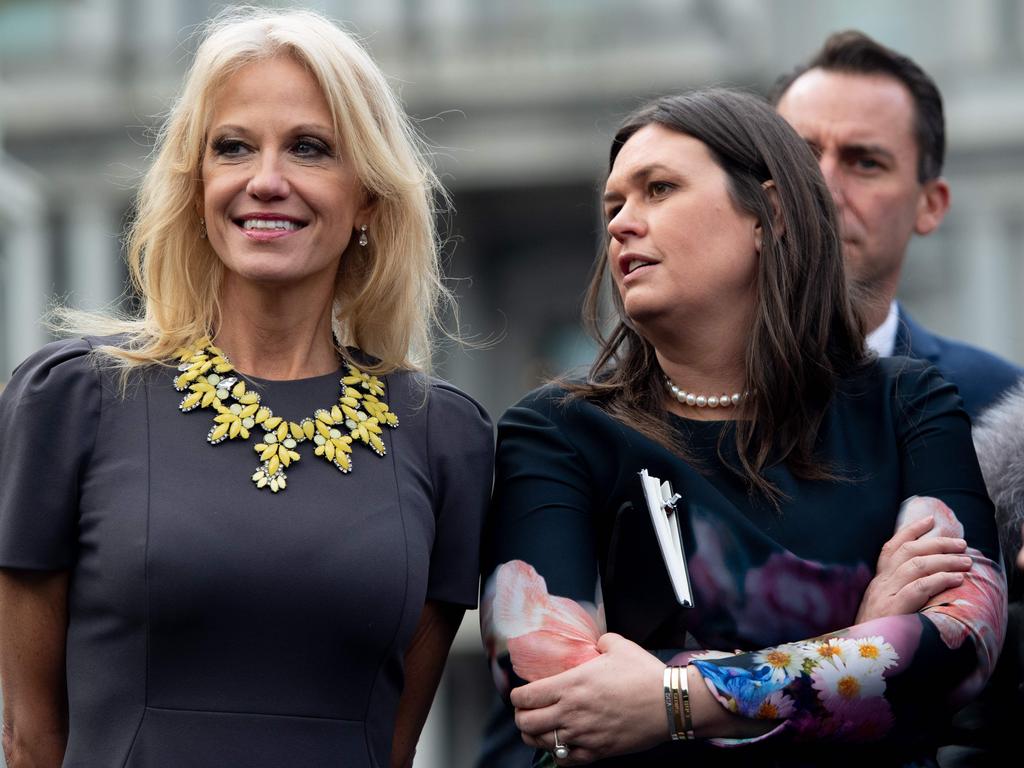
(694, 400)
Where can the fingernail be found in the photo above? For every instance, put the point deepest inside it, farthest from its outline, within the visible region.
(966, 561)
(961, 543)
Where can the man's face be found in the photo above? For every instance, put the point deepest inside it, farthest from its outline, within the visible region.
(862, 129)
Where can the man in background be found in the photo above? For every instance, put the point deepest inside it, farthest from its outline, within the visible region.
(875, 120)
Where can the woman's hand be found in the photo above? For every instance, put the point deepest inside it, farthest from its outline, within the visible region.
(911, 570)
(610, 705)
(33, 630)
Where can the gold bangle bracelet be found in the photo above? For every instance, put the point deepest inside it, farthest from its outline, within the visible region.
(677, 704)
(684, 692)
(669, 708)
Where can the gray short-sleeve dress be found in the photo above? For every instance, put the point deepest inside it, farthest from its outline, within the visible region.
(213, 624)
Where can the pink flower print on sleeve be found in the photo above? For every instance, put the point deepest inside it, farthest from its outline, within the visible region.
(976, 608)
(545, 634)
(917, 507)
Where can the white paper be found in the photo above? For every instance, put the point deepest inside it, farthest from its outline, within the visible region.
(661, 503)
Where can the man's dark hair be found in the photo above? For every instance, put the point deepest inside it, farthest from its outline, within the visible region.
(854, 52)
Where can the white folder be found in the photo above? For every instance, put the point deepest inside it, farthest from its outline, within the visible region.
(661, 504)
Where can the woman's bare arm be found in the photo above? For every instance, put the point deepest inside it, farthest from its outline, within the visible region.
(424, 663)
(33, 630)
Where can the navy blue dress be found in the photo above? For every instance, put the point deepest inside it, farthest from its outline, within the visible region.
(776, 590)
(213, 624)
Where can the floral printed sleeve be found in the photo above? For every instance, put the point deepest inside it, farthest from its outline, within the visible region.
(564, 562)
(541, 484)
(835, 686)
(899, 673)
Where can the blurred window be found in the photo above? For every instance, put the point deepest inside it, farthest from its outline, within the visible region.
(29, 28)
(1011, 29)
(5, 363)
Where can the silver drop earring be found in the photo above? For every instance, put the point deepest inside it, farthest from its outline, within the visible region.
(202, 229)
(363, 239)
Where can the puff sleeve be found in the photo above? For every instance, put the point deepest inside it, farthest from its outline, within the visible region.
(49, 415)
(461, 450)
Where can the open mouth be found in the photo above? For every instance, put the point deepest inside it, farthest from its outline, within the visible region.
(630, 264)
(269, 225)
(637, 264)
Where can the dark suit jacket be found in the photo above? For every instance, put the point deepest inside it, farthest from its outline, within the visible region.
(980, 376)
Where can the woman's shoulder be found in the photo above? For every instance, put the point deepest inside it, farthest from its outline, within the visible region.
(439, 400)
(552, 400)
(450, 400)
(57, 389)
(557, 404)
(895, 375)
(906, 387)
(58, 367)
(458, 429)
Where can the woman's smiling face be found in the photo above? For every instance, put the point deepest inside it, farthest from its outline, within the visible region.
(280, 198)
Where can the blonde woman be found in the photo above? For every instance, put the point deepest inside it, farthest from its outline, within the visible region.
(243, 529)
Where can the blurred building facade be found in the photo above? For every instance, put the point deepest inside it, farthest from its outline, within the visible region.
(520, 101)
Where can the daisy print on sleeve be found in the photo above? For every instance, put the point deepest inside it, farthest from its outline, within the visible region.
(829, 686)
(840, 685)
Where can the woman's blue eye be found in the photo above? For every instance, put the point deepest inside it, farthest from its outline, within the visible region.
(228, 147)
(309, 147)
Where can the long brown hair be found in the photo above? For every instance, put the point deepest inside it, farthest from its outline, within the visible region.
(805, 335)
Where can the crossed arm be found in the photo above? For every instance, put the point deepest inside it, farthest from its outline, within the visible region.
(553, 474)
(614, 704)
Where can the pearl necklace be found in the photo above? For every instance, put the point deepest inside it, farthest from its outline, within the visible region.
(205, 374)
(705, 401)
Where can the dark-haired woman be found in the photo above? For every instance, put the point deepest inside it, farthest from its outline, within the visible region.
(736, 372)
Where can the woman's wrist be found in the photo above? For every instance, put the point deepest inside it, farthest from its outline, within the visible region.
(711, 720)
(675, 684)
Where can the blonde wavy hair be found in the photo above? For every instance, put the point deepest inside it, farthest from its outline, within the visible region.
(388, 293)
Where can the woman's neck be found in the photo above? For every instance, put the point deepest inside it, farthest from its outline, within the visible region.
(274, 333)
(706, 370)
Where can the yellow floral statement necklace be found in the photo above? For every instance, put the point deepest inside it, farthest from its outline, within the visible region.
(206, 373)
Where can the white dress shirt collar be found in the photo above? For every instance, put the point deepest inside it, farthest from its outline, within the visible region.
(882, 340)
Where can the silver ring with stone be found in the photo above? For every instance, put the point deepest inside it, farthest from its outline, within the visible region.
(561, 751)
